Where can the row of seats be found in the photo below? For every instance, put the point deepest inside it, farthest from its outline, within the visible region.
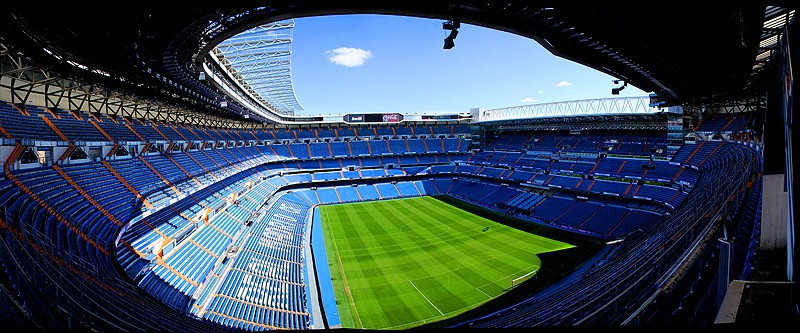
(638, 261)
(263, 287)
(625, 186)
(613, 143)
(33, 122)
(718, 123)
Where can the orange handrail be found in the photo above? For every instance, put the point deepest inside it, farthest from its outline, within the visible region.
(87, 196)
(99, 129)
(153, 125)
(621, 166)
(678, 174)
(12, 158)
(133, 131)
(55, 129)
(195, 133)
(179, 132)
(21, 110)
(239, 160)
(176, 272)
(187, 172)
(291, 153)
(712, 153)
(727, 124)
(138, 195)
(50, 111)
(211, 159)
(67, 152)
(5, 133)
(65, 264)
(206, 130)
(159, 175)
(113, 149)
(237, 134)
(58, 216)
(694, 152)
(618, 222)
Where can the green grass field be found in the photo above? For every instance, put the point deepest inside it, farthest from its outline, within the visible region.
(396, 264)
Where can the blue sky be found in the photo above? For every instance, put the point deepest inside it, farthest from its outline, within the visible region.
(381, 63)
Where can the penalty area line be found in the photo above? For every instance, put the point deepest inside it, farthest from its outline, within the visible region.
(425, 297)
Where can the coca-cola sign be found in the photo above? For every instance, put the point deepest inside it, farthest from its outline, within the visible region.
(392, 117)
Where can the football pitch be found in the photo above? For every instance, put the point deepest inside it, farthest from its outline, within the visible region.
(401, 263)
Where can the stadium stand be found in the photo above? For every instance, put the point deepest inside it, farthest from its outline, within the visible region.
(120, 220)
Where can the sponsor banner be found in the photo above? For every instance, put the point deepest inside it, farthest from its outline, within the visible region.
(354, 118)
(392, 117)
(443, 117)
(373, 118)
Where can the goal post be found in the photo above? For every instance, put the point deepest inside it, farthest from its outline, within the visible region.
(523, 278)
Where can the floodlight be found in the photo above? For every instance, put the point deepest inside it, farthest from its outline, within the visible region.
(449, 41)
(453, 34)
(615, 91)
(451, 25)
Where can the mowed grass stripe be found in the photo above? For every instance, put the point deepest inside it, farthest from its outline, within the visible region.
(406, 262)
(388, 235)
(376, 278)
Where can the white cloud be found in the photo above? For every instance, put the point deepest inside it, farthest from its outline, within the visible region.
(563, 84)
(348, 56)
(540, 92)
(529, 100)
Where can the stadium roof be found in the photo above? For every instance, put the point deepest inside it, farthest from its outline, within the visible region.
(685, 52)
(588, 107)
(260, 59)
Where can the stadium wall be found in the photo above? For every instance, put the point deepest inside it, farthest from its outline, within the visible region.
(775, 202)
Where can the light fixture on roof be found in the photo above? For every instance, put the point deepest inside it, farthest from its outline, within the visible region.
(453, 26)
(615, 91)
